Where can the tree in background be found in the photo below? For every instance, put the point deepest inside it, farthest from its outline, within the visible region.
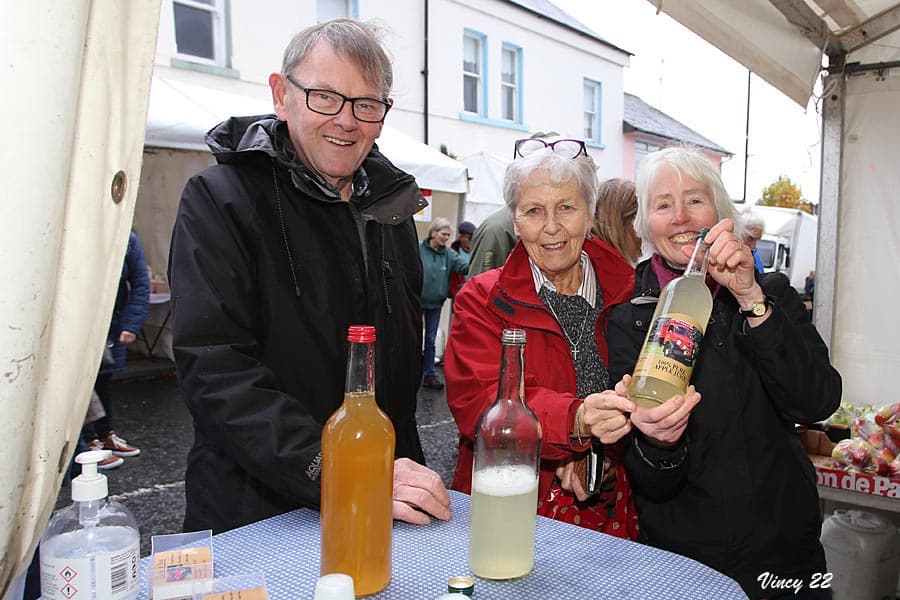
(785, 194)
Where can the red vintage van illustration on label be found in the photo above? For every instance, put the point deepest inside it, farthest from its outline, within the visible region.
(671, 350)
(678, 339)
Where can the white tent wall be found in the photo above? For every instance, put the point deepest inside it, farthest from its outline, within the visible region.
(164, 173)
(864, 349)
(486, 172)
(163, 176)
(432, 169)
(63, 231)
(476, 212)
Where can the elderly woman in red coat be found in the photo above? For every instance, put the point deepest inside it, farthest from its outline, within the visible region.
(556, 285)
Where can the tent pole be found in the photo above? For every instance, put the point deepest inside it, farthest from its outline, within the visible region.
(833, 105)
(746, 138)
(425, 76)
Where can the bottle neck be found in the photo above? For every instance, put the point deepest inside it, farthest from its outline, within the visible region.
(89, 511)
(361, 369)
(512, 380)
(696, 267)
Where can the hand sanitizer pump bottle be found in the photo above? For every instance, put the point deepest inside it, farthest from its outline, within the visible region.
(91, 548)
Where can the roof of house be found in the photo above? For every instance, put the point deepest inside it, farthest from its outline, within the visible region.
(640, 116)
(547, 10)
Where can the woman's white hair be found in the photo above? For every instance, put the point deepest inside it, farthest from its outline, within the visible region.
(559, 169)
(688, 161)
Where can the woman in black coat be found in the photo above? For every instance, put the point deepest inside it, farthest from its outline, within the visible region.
(736, 491)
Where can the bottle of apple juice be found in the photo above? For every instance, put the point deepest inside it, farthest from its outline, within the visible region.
(667, 359)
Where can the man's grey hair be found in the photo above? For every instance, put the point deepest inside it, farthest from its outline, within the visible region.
(359, 41)
(753, 221)
(688, 161)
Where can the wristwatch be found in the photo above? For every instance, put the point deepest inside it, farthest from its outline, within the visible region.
(757, 309)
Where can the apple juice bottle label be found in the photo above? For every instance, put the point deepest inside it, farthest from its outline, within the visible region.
(672, 345)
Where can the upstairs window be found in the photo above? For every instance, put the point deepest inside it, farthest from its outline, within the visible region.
(510, 83)
(591, 111)
(200, 31)
(641, 150)
(473, 73)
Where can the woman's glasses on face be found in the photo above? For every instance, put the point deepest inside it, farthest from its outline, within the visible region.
(568, 148)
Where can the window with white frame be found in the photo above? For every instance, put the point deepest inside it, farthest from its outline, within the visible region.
(332, 9)
(641, 150)
(200, 31)
(591, 111)
(510, 83)
(473, 72)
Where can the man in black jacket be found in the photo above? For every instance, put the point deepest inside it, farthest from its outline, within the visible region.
(302, 229)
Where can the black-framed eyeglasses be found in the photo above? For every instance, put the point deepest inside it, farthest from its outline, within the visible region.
(568, 148)
(328, 102)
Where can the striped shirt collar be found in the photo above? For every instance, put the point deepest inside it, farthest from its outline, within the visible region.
(588, 288)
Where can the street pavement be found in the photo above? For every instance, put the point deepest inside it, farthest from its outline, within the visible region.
(149, 413)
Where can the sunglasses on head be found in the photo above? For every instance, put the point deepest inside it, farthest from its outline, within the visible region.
(566, 147)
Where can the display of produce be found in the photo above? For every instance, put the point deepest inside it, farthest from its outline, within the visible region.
(846, 412)
(874, 443)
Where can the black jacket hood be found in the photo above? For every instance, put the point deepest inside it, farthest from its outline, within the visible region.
(248, 138)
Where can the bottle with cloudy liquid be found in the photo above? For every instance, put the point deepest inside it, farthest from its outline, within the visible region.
(505, 474)
(667, 359)
(358, 476)
(91, 549)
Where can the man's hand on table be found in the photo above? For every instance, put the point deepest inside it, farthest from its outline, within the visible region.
(418, 493)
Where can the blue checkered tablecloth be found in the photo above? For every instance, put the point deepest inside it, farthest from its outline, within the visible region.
(570, 562)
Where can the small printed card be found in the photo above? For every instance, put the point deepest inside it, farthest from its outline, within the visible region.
(188, 564)
(257, 593)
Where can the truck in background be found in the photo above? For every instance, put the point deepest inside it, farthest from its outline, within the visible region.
(788, 243)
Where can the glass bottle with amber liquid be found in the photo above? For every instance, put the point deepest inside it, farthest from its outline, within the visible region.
(503, 508)
(667, 359)
(357, 476)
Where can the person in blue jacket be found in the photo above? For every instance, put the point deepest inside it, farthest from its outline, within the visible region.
(129, 313)
(437, 264)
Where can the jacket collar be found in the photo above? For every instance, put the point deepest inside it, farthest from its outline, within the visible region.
(646, 287)
(427, 246)
(514, 295)
(385, 193)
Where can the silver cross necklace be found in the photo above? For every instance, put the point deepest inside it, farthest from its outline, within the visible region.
(573, 346)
